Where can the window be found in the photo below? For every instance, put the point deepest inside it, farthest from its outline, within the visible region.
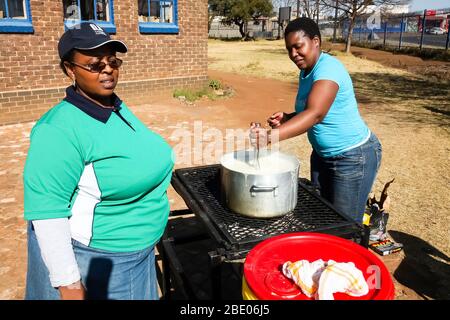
(156, 16)
(15, 16)
(98, 11)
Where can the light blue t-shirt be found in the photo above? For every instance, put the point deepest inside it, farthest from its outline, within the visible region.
(342, 128)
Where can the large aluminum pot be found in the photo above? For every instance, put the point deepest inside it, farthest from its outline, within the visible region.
(267, 192)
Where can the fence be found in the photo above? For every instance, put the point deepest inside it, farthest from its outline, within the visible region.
(426, 30)
(423, 30)
(267, 30)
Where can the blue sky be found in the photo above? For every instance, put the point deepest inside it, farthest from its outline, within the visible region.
(429, 4)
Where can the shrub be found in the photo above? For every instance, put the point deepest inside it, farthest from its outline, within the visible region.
(211, 91)
(215, 84)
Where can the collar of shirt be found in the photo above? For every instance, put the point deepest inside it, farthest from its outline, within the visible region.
(91, 108)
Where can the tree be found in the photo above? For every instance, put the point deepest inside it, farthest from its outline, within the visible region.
(215, 8)
(352, 9)
(284, 3)
(240, 12)
(308, 8)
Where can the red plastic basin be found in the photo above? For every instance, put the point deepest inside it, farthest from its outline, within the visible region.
(262, 267)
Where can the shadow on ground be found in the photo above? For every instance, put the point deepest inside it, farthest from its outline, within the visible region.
(419, 96)
(425, 269)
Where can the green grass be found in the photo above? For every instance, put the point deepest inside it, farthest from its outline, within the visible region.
(261, 58)
(209, 91)
(192, 95)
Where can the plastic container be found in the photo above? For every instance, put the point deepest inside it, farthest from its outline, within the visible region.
(247, 293)
(264, 280)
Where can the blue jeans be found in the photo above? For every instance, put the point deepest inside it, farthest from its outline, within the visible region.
(104, 274)
(345, 180)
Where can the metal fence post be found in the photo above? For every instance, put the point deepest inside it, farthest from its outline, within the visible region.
(401, 34)
(385, 32)
(423, 28)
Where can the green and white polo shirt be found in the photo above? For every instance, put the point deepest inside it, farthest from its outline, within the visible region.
(103, 169)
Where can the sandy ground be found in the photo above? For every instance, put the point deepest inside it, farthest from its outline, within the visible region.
(409, 114)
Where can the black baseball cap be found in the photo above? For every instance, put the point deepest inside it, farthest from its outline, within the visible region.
(87, 36)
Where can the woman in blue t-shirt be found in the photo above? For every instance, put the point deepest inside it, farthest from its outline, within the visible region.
(346, 154)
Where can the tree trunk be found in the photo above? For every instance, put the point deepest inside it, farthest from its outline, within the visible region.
(348, 43)
(317, 9)
(246, 30)
(354, 14)
(241, 28)
(307, 9)
(210, 20)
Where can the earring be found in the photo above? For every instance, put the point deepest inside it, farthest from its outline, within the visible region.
(74, 83)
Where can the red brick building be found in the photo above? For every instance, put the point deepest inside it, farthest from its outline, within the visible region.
(167, 49)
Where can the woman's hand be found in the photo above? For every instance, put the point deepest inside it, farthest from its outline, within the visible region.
(259, 136)
(277, 119)
(74, 291)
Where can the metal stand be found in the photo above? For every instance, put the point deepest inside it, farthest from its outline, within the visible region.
(216, 260)
(174, 274)
(212, 248)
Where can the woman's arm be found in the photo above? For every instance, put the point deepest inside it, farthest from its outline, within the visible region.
(278, 118)
(55, 243)
(320, 99)
(52, 171)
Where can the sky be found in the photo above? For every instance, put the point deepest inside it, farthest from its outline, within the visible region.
(417, 5)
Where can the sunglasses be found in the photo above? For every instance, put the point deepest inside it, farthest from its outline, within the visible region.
(97, 67)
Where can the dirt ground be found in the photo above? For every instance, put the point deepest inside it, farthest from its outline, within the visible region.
(414, 134)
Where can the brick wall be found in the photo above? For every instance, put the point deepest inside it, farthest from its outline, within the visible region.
(31, 81)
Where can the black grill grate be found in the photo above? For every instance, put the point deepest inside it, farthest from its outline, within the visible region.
(202, 186)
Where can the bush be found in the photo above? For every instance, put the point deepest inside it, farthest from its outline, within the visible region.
(189, 95)
(215, 84)
(211, 91)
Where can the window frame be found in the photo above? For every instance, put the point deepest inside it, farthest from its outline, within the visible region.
(108, 26)
(14, 25)
(161, 27)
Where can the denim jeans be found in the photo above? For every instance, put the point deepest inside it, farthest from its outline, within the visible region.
(345, 180)
(104, 274)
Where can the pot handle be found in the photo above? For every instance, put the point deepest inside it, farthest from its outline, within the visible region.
(254, 189)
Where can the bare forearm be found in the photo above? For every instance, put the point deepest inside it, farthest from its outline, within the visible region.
(298, 124)
(319, 101)
(291, 115)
